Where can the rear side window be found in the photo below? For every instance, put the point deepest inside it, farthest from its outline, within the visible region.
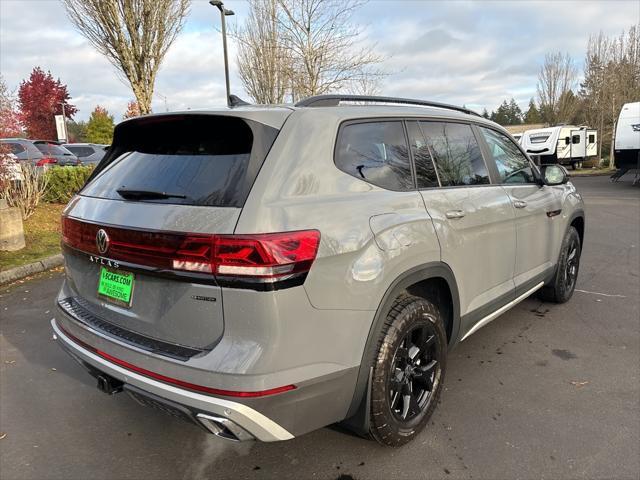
(456, 153)
(80, 151)
(51, 149)
(377, 153)
(16, 148)
(194, 159)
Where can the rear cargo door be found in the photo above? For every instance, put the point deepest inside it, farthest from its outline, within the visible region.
(133, 237)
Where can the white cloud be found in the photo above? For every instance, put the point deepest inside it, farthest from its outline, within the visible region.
(473, 53)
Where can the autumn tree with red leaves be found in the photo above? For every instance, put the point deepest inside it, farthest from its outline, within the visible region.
(9, 118)
(40, 100)
(133, 110)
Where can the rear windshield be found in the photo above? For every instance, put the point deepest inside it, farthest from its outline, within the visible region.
(191, 160)
(52, 149)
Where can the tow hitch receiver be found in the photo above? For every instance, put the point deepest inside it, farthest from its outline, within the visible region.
(109, 385)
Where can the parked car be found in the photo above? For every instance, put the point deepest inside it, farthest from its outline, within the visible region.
(54, 150)
(10, 168)
(88, 153)
(26, 151)
(267, 271)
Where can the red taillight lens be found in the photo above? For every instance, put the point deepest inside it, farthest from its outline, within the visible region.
(266, 257)
(45, 161)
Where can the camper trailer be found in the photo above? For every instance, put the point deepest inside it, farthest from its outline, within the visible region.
(563, 144)
(627, 139)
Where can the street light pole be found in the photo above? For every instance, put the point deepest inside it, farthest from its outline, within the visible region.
(224, 13)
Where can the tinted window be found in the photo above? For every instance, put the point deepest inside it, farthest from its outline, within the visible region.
(202, 160)
(540, 138)
(512, 165)
(592, 138)
(456, 153)
(375, 152)
(575, 139)
(52, 149)
(16, 148)
(80, 151)
(425, 169)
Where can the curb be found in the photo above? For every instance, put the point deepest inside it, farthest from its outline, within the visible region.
(592, 174)
(17, 273)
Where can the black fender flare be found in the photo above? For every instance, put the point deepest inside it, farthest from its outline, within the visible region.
(358, 413)
(579, 213)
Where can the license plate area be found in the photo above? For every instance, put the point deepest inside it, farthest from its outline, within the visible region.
(116, 286)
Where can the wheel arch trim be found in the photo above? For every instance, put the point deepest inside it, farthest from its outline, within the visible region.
(358, 410)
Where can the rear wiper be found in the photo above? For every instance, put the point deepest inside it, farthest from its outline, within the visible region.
(130, 194)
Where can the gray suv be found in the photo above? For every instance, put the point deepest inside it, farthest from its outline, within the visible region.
(88, 153)
(264, 271)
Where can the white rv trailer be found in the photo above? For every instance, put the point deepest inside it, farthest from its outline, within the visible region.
(563, 144)
(627, 140)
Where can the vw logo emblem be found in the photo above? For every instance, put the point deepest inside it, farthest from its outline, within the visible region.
(102, 241)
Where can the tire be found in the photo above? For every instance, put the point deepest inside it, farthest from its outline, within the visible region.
(408, 371)
(574, 165)
(563, 284)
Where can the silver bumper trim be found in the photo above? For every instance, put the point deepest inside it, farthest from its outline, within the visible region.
(261, 427)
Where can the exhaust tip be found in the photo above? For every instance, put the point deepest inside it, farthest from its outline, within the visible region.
(109, 385)
(224, 428)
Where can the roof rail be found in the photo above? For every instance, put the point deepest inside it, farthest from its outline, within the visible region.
(334, 101)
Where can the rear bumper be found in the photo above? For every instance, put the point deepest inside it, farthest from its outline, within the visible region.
(202, 408)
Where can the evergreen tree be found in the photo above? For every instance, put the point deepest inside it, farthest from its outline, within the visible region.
(501, 115)
(100, 126)
(533, 115)
(77, 131)
(515, 113)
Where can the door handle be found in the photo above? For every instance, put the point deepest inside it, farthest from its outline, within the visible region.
(455, 214)
(519, 203)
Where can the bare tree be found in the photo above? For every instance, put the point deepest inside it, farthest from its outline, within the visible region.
(133, 34)
(611, 79)
(299, 48)
(556, 79)
(326, 46)
(366, 85)
(263, 59)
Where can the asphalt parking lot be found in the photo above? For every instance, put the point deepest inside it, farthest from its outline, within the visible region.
(545, 391)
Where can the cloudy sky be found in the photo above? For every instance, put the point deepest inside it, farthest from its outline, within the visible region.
(475, 53)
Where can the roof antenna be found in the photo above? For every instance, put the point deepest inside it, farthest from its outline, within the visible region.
(235, 101)
(232, 100)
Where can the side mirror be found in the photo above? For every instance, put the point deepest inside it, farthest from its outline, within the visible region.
(554, 175)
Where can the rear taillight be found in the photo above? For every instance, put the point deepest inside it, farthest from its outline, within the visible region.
(264, 257)
(45, 161)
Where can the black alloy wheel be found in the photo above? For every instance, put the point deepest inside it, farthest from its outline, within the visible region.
(414, 373)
